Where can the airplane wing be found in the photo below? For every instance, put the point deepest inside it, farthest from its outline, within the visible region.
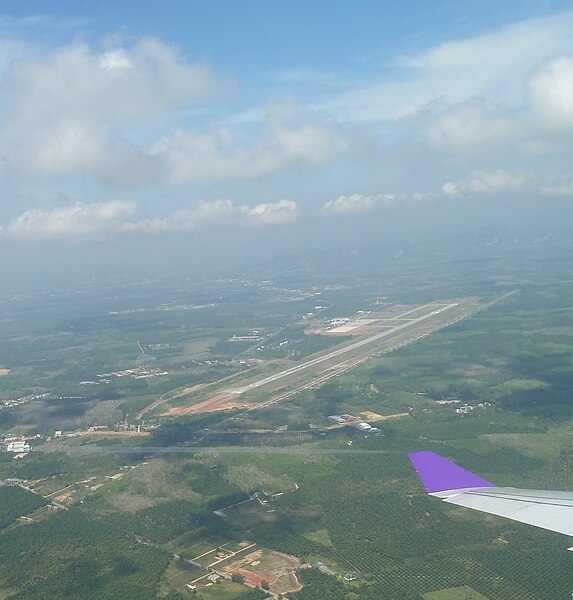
(541, 508)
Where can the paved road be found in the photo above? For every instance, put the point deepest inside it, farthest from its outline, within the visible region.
(149, 450)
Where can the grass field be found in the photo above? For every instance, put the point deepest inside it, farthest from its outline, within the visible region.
(226, 590)
(461, 593)
(179, 574)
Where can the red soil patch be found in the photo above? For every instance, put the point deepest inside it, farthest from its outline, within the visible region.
(213, 404)
(251, 578)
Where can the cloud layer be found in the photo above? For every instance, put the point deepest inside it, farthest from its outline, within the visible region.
(88, 220)
(488, 116)
(357, 203)
(115, 116)
(495, 64)
(189, 157)
(69, 111)
(70, 221)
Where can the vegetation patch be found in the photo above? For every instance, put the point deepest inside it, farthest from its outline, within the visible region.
(16, 502)
(71, 555)
(250, 478)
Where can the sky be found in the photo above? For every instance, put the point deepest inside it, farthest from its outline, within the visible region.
(141, 134)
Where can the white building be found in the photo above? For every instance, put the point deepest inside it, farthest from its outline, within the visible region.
(18, 447)
(362, 426)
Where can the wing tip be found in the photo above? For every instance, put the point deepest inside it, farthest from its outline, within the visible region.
(439, 475)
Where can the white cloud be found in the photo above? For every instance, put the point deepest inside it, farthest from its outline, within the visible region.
(357, 203)
(495, 65)
(487, 182)
(498, 106)
(468, 127)
(87, 220)
(115, 60)
(104, 114)
(483, 182)
(562, 190)
(283, 211)
(480, 132)
(186, 219)
(71, 221)
(219, 211)
(450, 189)
(219, 155)
(128, 83)
(68, 111)
(552, 92)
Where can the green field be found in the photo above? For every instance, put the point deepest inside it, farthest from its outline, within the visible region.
(463, 593)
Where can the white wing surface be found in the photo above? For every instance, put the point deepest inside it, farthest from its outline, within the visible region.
(551, 510)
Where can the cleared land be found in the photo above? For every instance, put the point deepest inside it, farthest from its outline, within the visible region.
(276, 568)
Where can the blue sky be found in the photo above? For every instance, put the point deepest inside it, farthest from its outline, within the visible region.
(148, 120)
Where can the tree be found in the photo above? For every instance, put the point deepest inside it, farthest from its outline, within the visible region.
(237, 578)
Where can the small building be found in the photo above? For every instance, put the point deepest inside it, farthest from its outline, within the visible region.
(324, 569)
(362, 426)
(336, 419)
(350, 576)
(26, 520)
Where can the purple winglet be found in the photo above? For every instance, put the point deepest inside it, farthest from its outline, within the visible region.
(438, 474)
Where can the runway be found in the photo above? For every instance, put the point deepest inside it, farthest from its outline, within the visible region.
(346, 349)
